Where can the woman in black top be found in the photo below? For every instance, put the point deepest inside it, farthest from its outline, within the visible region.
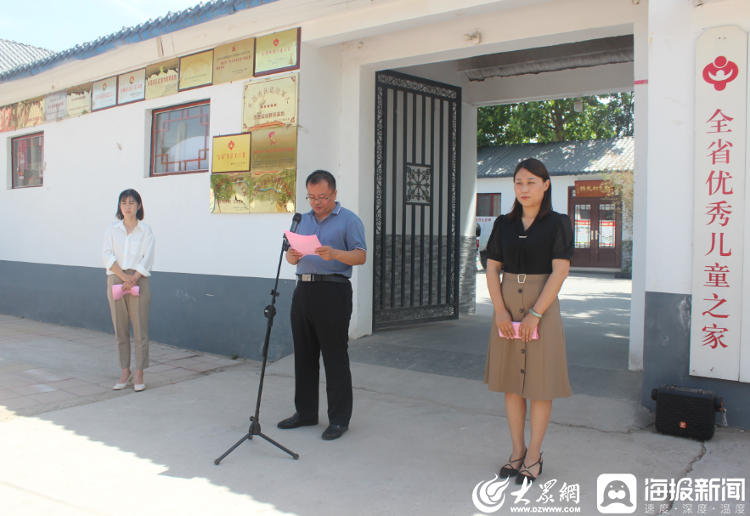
(535, 245)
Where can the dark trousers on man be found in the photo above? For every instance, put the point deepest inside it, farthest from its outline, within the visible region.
(321, 312)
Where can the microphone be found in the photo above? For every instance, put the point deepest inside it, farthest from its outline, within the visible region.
(295, 222)
(293, 229)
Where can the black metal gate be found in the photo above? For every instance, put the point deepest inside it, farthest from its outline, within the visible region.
(417, 194)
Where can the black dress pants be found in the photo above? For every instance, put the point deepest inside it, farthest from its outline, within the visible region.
(321, 312)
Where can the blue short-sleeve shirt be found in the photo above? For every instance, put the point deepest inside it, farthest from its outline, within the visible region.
(341, 229)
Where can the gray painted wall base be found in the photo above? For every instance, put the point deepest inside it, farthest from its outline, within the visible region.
(215, 314)
(666, 357)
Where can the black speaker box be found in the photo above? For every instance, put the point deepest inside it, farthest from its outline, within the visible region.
(686, 412)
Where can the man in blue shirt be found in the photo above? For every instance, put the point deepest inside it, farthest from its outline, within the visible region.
(322, 307)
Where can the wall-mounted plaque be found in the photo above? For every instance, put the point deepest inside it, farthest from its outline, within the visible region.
(131, 86)
(274, 149)
(231, 153)
(104, 94)
(161, 79)
(254, 192)
(196, 70)
(270, 102)
(55, 106)
(79, 100)
(230, 193)
(30, 113)
(7, 118)
(277, 52)
(234, 61)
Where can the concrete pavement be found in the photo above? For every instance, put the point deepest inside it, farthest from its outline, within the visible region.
(419, 443)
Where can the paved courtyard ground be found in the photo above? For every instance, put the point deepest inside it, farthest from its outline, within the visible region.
(425, 431)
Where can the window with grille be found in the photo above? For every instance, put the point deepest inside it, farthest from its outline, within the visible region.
(488, 205)
(28, 160)
(180, 139)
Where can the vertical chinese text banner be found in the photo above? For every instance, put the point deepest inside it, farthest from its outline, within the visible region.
(718, 230)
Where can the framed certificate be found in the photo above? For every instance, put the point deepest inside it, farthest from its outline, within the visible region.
(196, 70)
(278, 52)
(131, 87)
(104, 94)
(234, 61)
(231, 153)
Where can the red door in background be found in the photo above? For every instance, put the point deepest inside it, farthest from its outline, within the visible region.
(596, 226)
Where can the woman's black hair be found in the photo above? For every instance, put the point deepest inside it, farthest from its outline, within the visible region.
(537, 168)
(136, 197)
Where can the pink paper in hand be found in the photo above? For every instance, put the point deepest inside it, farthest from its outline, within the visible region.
(118, 292)
(303, 244)
(516, 325)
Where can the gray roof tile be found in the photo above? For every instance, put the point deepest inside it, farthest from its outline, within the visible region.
(561, 158)
(14, 54)
(171, 22)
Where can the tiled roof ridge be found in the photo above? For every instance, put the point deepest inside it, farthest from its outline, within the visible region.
(170, 22)
(568, 157)
(564, 142)
(35, 47)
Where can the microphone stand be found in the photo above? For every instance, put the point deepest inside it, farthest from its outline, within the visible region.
(270, 313)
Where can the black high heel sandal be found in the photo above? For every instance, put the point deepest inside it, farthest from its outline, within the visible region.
(523, 473)
(508, 470)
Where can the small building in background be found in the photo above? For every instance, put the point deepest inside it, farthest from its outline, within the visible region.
(577, 170)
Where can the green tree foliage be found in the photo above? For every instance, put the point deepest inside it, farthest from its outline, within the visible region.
(603, 116)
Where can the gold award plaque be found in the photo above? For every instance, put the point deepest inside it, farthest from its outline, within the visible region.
(79, 100)
(196, 70)
(234, 61)
(231, 153)
(230, 193)
(161, 79)
(104, 94)
(255, 192)
(277, 52)
(270, 102)
(30, 113)
(274, 148)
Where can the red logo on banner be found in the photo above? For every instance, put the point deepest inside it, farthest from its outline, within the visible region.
(720, 72)
(276, 42)
(231, 145)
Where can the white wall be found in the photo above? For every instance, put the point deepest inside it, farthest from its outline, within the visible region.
(91, 159)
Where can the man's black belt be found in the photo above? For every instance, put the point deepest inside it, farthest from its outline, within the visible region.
(336, 278)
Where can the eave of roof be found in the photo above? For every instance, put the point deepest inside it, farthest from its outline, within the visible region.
(171, 22)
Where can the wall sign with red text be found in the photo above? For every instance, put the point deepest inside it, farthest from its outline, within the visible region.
(719, 220)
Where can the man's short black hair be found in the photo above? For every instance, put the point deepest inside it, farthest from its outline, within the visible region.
(321, 175)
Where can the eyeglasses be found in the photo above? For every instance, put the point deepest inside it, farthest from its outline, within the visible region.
(312, 200)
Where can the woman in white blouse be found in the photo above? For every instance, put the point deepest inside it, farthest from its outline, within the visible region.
(128, 255)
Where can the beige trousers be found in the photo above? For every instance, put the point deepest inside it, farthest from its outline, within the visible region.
(126, 309)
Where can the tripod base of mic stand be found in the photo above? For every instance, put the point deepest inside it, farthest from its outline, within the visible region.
(255, 430)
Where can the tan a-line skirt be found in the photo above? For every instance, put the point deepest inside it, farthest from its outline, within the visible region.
(535, 370)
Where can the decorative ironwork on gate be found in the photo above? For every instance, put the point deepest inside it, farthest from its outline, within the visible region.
(417, 197)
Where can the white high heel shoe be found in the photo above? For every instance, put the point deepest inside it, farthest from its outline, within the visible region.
(121, 386)
(138, 387)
